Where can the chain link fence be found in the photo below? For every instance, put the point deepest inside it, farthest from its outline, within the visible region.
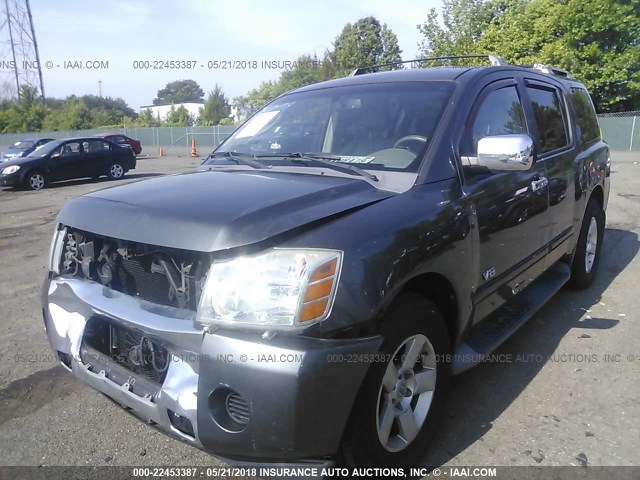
(172, 139)
(620, 130)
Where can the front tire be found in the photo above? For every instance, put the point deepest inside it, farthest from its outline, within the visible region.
(35, 181)
(116, 171)
(587, 255)
(396, 410)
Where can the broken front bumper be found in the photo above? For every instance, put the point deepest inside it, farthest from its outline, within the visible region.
(234, 394)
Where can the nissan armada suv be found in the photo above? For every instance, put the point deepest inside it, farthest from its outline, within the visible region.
(307, 294)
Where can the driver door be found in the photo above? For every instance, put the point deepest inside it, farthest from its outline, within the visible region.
(67, 162)
(511, 206)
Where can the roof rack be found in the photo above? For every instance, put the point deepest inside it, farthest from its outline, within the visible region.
(553, 70)
(494, 60)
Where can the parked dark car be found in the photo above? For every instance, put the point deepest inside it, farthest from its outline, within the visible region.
(67, 159)
(122, 140)
(307, 295)
(22, 148)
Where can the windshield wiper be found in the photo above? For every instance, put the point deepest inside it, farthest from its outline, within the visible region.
(326, 160)
(239, 158)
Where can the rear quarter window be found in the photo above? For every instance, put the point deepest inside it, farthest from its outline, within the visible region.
(585, 115)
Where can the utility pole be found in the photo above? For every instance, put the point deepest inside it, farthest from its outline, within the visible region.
(18, 33)
(100, 88)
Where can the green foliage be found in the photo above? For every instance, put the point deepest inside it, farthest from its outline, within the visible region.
(179, 91)
(178, 117)
(216, 108)
(364, 43)
(147, 119)
(24, 115)
(306, 69)
(28, 114)
(598, 41)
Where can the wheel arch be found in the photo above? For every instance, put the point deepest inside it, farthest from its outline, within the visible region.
(439, 290)
(597, 194)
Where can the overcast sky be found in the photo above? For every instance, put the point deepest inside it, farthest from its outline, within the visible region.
(123, 31)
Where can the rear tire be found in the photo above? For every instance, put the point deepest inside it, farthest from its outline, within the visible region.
(115, 171)
(587, 255)
(396, 411)
(35, 181)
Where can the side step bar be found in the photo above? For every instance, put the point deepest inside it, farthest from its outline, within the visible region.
(485, 337)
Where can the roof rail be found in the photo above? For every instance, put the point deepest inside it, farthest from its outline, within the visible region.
(494, 61)
(553, 70)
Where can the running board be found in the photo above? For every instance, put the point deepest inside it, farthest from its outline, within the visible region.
(485, 337)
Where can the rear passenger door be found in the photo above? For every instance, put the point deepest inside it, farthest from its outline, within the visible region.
(96, 154)
(555, 148)
(511, 207)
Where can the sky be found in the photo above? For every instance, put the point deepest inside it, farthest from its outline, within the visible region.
(122, 32)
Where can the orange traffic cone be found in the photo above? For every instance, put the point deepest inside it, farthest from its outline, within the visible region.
(161, 152)
(194, 152)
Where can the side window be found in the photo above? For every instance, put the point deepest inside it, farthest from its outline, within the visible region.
(95, 146)
(552, 128)
(71, 149)
(500, 113)
(585, 115)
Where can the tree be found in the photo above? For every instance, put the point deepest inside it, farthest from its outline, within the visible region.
(305, 70)
(179, 91)
(598, 41)
(178, 117)
(464, 22)
(147, 119)
(29, 109)
(363, 43)
(216, 108)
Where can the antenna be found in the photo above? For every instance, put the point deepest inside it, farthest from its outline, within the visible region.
(18, 43)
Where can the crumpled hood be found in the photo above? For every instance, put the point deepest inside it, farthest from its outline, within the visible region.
(215, 210)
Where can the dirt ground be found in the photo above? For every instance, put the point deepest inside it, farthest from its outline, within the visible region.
(565, 393)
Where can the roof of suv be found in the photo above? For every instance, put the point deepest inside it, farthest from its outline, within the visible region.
(428, 74)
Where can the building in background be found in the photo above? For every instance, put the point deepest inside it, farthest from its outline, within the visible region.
(161, 111)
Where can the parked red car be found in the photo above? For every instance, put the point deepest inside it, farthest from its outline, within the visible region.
(122, 140)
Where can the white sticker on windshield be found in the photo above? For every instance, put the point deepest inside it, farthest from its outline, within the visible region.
(356, 159)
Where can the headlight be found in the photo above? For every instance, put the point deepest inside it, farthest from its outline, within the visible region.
(11, 169)
(280, 288)
(55, 250)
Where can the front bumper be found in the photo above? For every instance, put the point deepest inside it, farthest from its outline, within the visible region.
(299, 391)
(11, 180)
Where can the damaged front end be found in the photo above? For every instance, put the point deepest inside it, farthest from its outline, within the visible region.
(121, 316)
(165, 276)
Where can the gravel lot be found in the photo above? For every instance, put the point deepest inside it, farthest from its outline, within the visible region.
(565, 393)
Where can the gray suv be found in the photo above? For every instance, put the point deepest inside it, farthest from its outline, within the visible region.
(306, 296)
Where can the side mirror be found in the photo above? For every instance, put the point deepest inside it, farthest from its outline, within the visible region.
(503, 153)
(56, 155)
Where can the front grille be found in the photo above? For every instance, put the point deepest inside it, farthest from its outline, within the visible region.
(128, 348)
(160, 275)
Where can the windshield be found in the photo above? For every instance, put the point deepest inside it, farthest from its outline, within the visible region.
(385, 126)
(23, 144)
(46, 149)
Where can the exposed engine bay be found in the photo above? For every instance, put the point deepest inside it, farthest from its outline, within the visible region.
(156, 274)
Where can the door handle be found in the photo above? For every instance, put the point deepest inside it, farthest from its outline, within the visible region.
(539, 184)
